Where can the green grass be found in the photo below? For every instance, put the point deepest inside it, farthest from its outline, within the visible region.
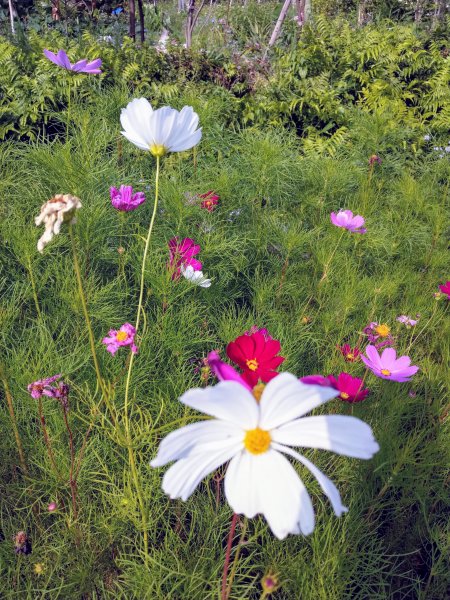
(266, 263)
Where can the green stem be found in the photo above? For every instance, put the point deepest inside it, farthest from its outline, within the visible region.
(33, 287)
(69, 95)
(85, 311)
(131, 455)
(327, 265)
(12, 414)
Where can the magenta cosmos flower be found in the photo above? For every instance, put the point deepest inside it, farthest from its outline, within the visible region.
(445, 289)
(122, 337)
(123, 199)
(388, 366)
(43, 387)
(350, 388)
(345, 219)
(82, 66)
(182, 253)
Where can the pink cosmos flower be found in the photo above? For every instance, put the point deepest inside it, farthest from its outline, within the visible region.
(122, 337)
(257, 357)
(406, 320)
(182, 253)
(350, 388)
(350, 354)
(123, 199)
(211, 200)
(388, 366)
(445, 289)
(254, 329)
(374, 159)
(225, 372)
(318, 380)
(345, 219)
(43, 387)
(82, 66)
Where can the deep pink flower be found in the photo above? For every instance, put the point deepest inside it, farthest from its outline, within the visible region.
(211, 200)
(123, 199)
(122, 337)
(345, 219)
(82, 66)
(225, 372)
(445, 289)
(350, 388)
(388, 366)
(350, 354)
(43, 387)
(256, 356)
(182, 253)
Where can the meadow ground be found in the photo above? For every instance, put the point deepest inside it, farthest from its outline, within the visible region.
(266, 247)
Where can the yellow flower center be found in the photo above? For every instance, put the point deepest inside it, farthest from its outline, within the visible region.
(121, 336)
(252, 364)
(158, 150)
(257, 441)
(258, 390)
(344, 396)
(350, 356)
(385, 372)
(383, 330)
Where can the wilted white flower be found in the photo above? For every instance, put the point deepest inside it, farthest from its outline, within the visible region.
(160, 131)
(194, 276)
(56, 211)
(255, 437)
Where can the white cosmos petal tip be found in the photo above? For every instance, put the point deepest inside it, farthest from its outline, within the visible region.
(195, 277)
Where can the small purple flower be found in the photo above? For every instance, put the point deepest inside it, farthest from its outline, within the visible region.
(388, 366)
(255, 329)
(379, 333)
(43, 387)
(406, 320)
(123, 199)
(122, 337)
(345, 219)
(82, 66)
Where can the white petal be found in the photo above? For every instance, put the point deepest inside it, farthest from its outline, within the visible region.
(181, 441)
(135, 120)
(228, 400)
(136, 140)
(183, 477)
(328, 487)
(348, 436)
(163, 122)
(285, 398)
(187, 142)
(267, 483)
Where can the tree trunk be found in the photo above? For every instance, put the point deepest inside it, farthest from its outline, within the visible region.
(11, 16)
(189, 23)
(439, 12)
(307, 11)
(418, 11)
(362, 15)
(141, 20)
(299, 6)
(278, 24)
(56, 10)
(132, 28)
(181, 6)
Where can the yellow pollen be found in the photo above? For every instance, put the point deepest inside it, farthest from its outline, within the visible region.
(385, 372)
(121, 336)
(258, 390)
(350, 356)
(158, 150)
(383, 330)
(257, 441)
(252, 364)
(344, 396)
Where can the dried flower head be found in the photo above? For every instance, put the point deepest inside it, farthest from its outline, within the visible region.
(270, 583)
(22, 544)
(56, 211)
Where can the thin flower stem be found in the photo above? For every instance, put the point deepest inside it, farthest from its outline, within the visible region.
(224, 594)
(33, 287)
(47, 438)
(72, 481)
(69, 95)
(327, 265)
(424, 328)
(132, 459)
(12, 414)
(86, 313)
(236, 557)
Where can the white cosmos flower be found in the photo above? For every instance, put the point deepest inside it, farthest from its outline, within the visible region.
(196, 277)
(253, 437)
(160, 131)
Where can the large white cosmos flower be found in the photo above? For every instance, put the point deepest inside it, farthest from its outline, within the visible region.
(160, 131)
(253, 436)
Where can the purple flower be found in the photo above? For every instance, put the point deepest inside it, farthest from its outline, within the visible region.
(406, 320)
(82, 66)
(318, 380)
(43, 387)
(124, 199)
(380, 333)
(388, 366)
(122, 337)
(225, 372)
(345, 219)
(255, 329)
